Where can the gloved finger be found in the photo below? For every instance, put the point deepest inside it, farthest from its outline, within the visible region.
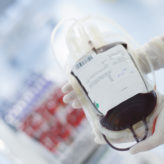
(76, 104)
(148, 144)
(154, 140)
(67, 88)
(69, 97)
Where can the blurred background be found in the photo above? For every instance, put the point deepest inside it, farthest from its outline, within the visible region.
(36, 127)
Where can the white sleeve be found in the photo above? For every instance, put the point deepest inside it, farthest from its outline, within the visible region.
(154, 50)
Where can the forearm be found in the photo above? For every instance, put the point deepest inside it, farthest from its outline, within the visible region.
(154, 50)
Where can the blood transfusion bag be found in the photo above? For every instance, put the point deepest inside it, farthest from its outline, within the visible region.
(116, 88)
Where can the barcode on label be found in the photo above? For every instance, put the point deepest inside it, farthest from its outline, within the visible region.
(83, 62)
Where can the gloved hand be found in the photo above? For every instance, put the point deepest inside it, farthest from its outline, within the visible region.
(70, 96)
(157, 138)
(155, 51)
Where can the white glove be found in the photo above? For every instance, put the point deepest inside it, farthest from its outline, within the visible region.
(70, 96)
(155, 50)
(158, 136)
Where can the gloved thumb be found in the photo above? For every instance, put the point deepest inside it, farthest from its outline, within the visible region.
(148, 144)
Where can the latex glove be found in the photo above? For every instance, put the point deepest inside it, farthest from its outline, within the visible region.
(158, 136)
(70, 96)
(155, 49)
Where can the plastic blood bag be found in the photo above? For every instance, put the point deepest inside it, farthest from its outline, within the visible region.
(116, 92)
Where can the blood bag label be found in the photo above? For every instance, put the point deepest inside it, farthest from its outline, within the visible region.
(109, 78)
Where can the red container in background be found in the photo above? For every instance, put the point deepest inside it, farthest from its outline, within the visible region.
(75, 117)
(52, 122)
(49, 141)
